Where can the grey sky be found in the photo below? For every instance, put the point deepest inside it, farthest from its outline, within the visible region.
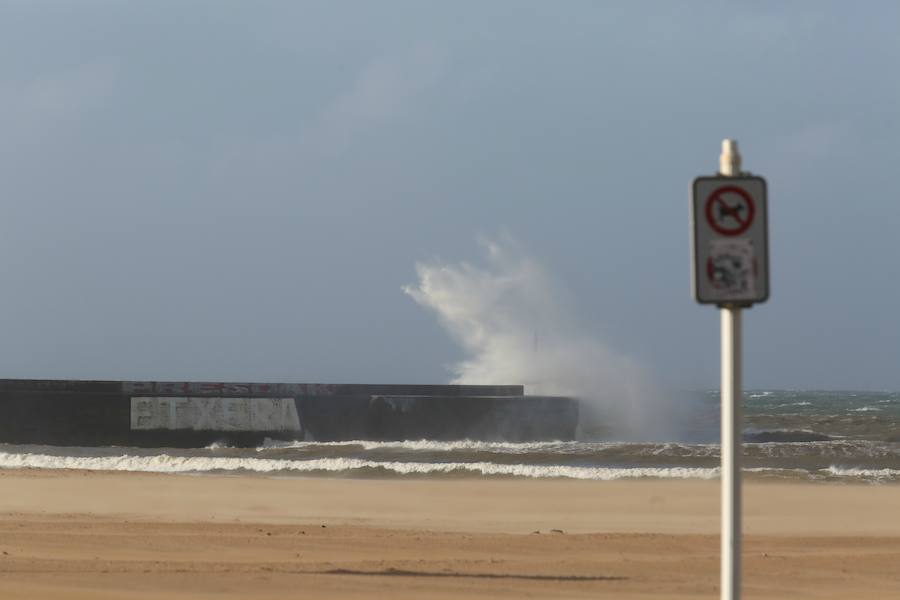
(238, 190)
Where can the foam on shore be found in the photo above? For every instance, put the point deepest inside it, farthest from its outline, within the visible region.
(164, 463)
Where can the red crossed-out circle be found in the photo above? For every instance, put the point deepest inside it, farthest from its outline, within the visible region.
(733, 219)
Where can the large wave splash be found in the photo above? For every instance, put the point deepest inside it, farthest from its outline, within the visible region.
(510, 318)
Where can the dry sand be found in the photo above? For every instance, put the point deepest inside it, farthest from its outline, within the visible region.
(121, 535)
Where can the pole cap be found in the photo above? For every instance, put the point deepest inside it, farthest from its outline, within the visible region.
(730, 159)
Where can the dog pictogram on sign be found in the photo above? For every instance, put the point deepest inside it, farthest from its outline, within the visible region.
(730, 210)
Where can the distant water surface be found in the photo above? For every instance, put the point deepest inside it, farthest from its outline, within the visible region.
(802, 435)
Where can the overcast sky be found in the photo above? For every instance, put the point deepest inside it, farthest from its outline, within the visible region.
(239, 190)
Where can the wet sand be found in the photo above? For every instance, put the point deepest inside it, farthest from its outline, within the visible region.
(67, 534)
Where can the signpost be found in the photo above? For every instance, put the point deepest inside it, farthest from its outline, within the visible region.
(730, 268)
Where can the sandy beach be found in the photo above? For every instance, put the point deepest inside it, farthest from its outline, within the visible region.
(66, 534)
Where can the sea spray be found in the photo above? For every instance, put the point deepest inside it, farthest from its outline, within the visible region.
(509, 318)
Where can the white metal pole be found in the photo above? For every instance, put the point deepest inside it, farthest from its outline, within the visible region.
(730, 165)
(731, 453)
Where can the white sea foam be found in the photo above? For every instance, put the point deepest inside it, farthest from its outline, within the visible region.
(678, 449)
(163, 463)
(435, 446)
(181, 464)
(554, 447)
(878, 474)
(775, 471)
(867, 409)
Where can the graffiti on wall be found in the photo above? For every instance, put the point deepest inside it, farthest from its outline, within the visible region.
(214, 413)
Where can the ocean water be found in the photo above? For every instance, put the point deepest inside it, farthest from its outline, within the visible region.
(823, 436)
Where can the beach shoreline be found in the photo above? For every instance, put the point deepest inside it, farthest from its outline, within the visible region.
(83, 534)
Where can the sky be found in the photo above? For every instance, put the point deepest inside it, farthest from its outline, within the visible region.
(241, 190)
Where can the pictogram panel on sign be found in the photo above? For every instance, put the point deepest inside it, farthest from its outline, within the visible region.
(731, 266)
(730, 210)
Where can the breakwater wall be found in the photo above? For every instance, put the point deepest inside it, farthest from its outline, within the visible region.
(191, 414)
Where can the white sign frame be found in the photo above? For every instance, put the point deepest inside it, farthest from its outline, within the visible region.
(730, 240)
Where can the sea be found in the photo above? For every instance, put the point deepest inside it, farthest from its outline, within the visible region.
(818, 436)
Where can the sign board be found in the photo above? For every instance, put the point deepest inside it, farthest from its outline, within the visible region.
(730, 241)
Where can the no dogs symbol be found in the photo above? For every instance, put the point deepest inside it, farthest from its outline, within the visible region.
(729, 210)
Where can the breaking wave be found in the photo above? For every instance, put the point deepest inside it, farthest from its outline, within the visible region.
(355, 467)
(195, 464)
(429, 445)
(878, 475)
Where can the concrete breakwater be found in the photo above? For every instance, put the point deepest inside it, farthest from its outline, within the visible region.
(191, 414)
